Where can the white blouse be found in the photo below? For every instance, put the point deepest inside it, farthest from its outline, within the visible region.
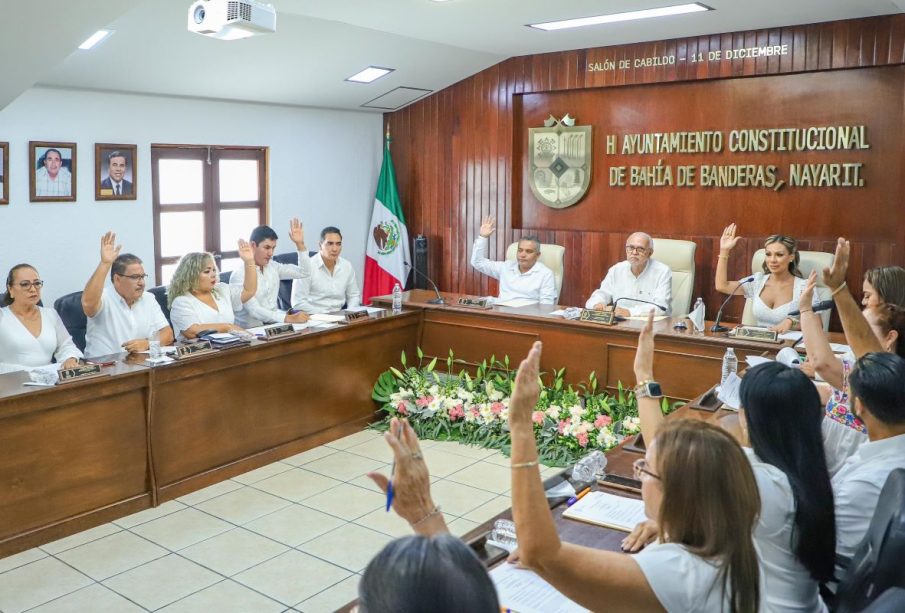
(21, 350)
(767, 317)
(682, 581)
(187, 311)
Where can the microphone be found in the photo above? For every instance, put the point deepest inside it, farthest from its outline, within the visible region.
(617, 318)
(439, 298)
(716, 327)
(823, 305)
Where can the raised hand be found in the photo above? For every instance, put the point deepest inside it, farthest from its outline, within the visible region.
(109, 249)
(246, 252)
(728, 240)
(644, 355)
(487, 226)
(297, 233)
(527, 388)
(834, 276)
(807, 295)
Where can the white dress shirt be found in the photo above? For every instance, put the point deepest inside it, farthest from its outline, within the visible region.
(857, 488)
(188, 311)
(654, 284)
(45, 186)
(21, 350)
(323, 291)
(537, 284)
(116, 322)
(262, 308)
(789, 585)
(768, 317)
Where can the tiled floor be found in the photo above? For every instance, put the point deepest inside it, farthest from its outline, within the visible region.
(291, 536)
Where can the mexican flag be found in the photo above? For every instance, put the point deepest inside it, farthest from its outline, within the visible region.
(387, 252)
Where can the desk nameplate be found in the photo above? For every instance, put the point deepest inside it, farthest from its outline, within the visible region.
(352, 316)
(278, 331)
(757, 334)
(604, 318)
(474, 303)
(193, 350)
(80, 373)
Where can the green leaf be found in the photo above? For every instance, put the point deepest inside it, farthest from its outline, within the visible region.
(420, 353)
(402, 359)
(396, 372)
(430, 367)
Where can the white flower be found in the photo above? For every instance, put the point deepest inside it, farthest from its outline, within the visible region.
(464, 394)
(495, 396)
(606, 438)
(631, 425)
(553, 411)
(576, 411)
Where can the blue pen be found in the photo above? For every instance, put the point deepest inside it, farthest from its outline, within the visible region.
(392, 472)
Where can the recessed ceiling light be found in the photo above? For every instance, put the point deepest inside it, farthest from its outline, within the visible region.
(679, 9)
(95, 38)
(370, 74)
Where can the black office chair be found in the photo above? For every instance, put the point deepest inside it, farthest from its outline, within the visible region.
(160, 294)
(284, 296)
(70, 309)
(878, 562)
(890, 601)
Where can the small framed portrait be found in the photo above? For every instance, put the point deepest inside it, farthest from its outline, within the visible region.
(114, 171)
(4, 173)
(52, 171)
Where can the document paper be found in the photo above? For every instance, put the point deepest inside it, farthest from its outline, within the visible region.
(516, 302)
(523, 591)
(608, 510)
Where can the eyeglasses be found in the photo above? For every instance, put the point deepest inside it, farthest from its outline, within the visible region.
(135, 278)
(639, 468)
(635, 249)
(26, 285)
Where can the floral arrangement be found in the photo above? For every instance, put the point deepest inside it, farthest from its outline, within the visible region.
(569, 422)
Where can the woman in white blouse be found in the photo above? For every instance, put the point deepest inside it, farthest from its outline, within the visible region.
(198, 301)
(30, 335)
(776, 290)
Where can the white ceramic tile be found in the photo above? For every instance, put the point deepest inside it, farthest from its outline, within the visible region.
(296, 484)
(80, 538)
(211, 491)
(36, 583)
(261, 473)
(344, 466)
(387, 523)
(292, 577)
(485, 476)
(293, 525)
(346, 501)
(21, 558)
(365, 482)
(95, 598)
(376, 449)
(468, 451)
(457, 499)
(112, 555)
(309, 456)
(350, 546)
(460, 527)
(181, 529)
(170, 506)
(225, 597)
(441, 463)
(489, 509)
(332, 598)
(162, 581)
(242, 506)
(354, 439)
(234, 551)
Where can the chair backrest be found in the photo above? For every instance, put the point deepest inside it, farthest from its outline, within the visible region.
(890, 601)
(160, 295)
(284, 295)
(551, 256)
(808, 261)
(679, 256)
(877, 563)
(224, 276)
(70, 309)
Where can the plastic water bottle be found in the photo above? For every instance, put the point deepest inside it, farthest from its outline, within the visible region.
(154, 343)
(588, 467)
(503, 534)
(397, 299)
(730, 365)
(699, 303)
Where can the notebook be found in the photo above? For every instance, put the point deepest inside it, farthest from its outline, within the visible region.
(608, 510)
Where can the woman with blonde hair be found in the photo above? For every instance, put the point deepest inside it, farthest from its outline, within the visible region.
(198, 301)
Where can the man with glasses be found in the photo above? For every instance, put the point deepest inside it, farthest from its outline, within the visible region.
(120, 317)
(635, 282)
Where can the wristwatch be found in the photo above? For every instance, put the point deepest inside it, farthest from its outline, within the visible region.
(648, 389)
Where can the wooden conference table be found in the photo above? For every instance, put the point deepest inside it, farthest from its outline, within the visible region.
(85, 453)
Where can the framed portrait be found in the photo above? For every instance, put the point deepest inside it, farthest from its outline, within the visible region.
(52, 171)
(4, 173)
(115, 171)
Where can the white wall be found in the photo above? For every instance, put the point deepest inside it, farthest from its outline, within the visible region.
(323, 169)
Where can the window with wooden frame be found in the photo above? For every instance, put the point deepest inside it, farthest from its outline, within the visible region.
(205, 199)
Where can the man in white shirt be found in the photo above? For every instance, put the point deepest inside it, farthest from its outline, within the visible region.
(332, 281)
(263, 308)
(525, 278)
(878, 388)
(120, 317)
(53, 179)
(638, 277)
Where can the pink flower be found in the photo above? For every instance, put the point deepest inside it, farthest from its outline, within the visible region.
(401, 408)
(538, 417)
(496, 408)
(582, 439)
(563, 424)
(475, 412)
(457, 412)
(602, 420)
(424, 401)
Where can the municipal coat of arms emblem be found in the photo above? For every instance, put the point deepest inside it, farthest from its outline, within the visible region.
(560, 161)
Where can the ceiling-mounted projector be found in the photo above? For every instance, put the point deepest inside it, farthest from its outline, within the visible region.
(231, 19)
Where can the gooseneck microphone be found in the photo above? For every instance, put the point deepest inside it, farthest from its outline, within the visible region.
(823, 305)
(616, 303)
(439, 298)
(716, 327)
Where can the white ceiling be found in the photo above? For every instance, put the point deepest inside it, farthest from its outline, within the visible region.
(319, 43)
